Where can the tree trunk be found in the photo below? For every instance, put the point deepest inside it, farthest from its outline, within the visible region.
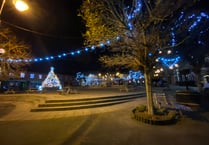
(148, 87)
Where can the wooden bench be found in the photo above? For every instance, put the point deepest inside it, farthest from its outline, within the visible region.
(124, 88)
(160, 99)
(32, 90)
(67, 90)
(9, 91)
(128, 88)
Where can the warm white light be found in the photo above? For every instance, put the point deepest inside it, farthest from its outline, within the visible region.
(176, 65)
(169, 52)
(117, 74)
(21, 5)
(2, 51)
(157, 71)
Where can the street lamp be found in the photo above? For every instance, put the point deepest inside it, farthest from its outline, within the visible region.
(2, 51)
(19, 4)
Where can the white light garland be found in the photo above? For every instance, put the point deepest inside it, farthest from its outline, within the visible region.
(130, 17)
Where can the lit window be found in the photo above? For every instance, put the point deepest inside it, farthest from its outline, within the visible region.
(22, 75)
(11, 74)
(32, 76)
(40, 76)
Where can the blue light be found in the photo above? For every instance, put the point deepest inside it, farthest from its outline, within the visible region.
(198, 20)
(131, 14)
(86, 49)
(108, 42)
(169, 62)
(9, 60)
(101, 44)
(117, 38)
(92, 47)
(130, 26)
(204, 14)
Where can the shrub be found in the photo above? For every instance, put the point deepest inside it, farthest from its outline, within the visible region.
(161, 116)
(140, 108)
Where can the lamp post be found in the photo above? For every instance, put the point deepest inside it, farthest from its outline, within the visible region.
(2, 6)
(2, 51)
(19, 4)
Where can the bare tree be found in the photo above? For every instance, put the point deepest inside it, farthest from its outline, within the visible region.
(135, 31)
(14, 56)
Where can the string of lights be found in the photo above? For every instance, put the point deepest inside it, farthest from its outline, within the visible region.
(195, 18)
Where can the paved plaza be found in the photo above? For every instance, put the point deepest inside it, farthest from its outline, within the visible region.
(112, 125)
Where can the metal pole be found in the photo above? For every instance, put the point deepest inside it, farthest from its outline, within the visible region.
(2, 6)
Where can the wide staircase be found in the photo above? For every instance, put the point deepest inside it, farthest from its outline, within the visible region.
(85, 103)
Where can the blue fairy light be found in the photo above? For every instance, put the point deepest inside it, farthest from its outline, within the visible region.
(118, 38)
(131, 14)
(169, 62)
(198, 20)
(101, 44)
(92, 47)
(86, 49)
(108, 42)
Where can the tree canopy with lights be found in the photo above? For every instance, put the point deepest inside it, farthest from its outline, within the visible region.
(13, 52)
(134, 32)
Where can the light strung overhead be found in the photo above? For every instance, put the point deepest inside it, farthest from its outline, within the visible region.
(167, 61)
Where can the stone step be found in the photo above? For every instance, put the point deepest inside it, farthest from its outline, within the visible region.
(76, 107)
(83, 102)
(91, 99)
(91, 103)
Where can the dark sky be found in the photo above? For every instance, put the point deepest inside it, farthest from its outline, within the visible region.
(52, 27)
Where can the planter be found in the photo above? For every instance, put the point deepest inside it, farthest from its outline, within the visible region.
(161, 116)
(143, 117)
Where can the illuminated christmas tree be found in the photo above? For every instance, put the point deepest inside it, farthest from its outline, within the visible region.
(51, 81)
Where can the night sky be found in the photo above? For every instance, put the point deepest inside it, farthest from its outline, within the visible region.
(52, 27)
